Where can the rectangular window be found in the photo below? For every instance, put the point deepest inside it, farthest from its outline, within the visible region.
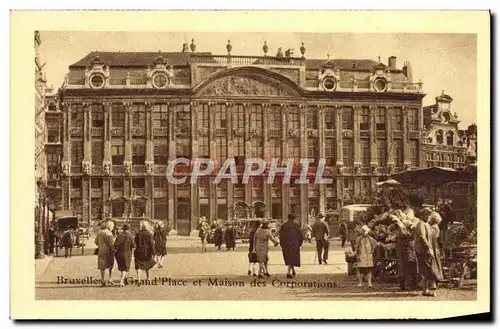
(330, 151)
(238, 146)
(160, 115)
(204, 117)
(76, 153)
(294, 149)
(53, 132)
(365, 152)
(183, 147)
(256, 117)
(397, 118)
(220, 117)
(76, 206)
(118, 116)
(293, 120)
(312, 120)
(203, 147)
(257, 149)
(274, 116)
(275, 144)
(97, 153)
(380, 119)
(238, 117)
(347, 118)
(276, 209)
(398, 153)
(117, 183)
(381, 152)
(77, 116)
(412, 119)
(160, 182)
(364, 123)
(138, 182)
(138, 116)
(183, 118)
(96, 183)
(313, 150)
(348, 151)
(76, 183)
(97, 116)
(117, 154)
(161, 154)
(138, 154)
(221, 151)
(53, 166)
(330, 119)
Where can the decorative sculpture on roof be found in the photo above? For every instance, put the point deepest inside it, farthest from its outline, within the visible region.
(243, 86)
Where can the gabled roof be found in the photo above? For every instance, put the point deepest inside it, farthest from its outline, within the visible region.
(137, 59)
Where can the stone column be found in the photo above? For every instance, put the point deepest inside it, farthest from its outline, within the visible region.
(285, 188)
(321, 140)
(357, 147)
(304, 188)
(247, 108)
(195, 215)
(171, 156)
(213, 156)
(266, 189)
(127, 162)
(230, 154)
(66, 139)
(338, 136)
(149, 159)
(373, 138)
(389, 137)
(406, 140)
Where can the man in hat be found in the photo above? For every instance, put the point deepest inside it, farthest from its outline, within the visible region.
(320, 233)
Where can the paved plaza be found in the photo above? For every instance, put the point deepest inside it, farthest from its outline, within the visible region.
(219, 275)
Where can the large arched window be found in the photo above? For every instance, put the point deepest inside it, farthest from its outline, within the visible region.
(439, 137)
(449, 138)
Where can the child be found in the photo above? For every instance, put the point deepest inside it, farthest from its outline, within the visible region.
(365, 246)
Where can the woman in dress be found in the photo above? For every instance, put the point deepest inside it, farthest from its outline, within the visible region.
(434, 222)
(365, 246)
(144, 252)
(124, 245)
(105, 251)
(218, 236)
(252, 256)
(261, 246)
(291, 241)
(424, 250)
(204, 232)
(229, 237)
(160, 238)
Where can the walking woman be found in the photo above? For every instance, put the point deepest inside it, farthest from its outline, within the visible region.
(144, 251)
(105, 251)
(434, 222)
(160, 238)
(124, 245)
(252, 255)
(218, 236)
(426, 261)
(204, 232)
(365, 246)
(406, 255)
(291, 241)
(261, 246)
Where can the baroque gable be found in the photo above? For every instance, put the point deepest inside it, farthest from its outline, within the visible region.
(243, 85)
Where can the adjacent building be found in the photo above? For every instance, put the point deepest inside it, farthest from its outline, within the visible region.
(123, 116)
(40, 85)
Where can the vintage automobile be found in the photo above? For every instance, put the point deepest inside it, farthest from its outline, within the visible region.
(68, 224)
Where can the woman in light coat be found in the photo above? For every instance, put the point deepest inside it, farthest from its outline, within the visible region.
(365, 246)
(105, 253)
(261, 246)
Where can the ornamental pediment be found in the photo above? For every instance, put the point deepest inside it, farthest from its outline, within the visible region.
(235, 85)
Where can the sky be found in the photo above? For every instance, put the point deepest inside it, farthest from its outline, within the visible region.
(443, 61)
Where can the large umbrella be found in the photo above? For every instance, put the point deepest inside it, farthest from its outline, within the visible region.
(389, 183)
(470, 172)
(432, 176)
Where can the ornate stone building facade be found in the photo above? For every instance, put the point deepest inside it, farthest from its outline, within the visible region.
(39, 113)
(124, 116)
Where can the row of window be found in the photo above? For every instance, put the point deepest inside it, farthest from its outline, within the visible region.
(443, 157)
(183, 117)
(183, 149)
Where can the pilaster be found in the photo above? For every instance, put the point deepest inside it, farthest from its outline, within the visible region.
(321, 140)
(373, 137)
(107, 133)
(339, 136)
(389, 138)
(356, 136)
(303, 154)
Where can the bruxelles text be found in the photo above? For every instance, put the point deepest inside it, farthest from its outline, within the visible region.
(204, 167)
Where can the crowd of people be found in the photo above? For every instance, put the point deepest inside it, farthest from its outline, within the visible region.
(146, 247)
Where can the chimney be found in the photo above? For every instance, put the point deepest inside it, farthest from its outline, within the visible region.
(185, 47)
(392, 62)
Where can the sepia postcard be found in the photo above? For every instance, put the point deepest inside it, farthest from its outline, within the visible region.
(245, 161)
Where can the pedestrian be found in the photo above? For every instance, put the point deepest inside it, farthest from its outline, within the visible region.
(67, 243)
(252, 255)
(144, 251)
(229, 237)
(308, 232)
(424, 251)
(406, 255)
(124, 245)
(218, 235)
(160, 239)
(261, 246)
(343, 232)
(204, 231)
(365, 246)
(291, 240)
(51, 239)
(448, 217)
(320, 233)
(105, 251)
(434, 221)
